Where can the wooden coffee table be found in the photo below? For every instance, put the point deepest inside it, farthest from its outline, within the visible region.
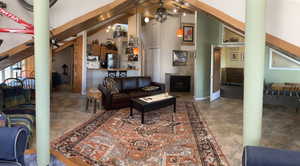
(143, 106)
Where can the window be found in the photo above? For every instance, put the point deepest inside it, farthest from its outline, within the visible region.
(14, 71)
(231, 36)
(280, 61)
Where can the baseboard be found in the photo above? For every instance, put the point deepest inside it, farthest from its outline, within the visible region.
(201, 98)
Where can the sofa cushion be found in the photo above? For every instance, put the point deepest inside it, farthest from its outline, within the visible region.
(150, 88)
(129, 83)
(144, 81)
(137, 94)
(119, 97)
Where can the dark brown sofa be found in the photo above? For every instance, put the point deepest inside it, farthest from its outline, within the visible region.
(129, 87)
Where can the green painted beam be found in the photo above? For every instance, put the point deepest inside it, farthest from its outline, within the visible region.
(42, 75)
(254, 70)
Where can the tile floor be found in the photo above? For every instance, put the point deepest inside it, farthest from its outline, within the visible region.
(281, 126)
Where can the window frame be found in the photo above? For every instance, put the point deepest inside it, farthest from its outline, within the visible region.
(271, 51)
(233, 30)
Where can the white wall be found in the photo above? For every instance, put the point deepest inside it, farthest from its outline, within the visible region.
(282, 18)
(134, 29)
(168, 41)
(62, 12)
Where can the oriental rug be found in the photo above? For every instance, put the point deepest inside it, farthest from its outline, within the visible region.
(113, 138)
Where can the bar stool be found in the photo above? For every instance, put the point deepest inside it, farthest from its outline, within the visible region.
(122, 74)
(93, 96)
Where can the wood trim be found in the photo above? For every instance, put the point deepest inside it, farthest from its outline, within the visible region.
(69, 29)
(65, 45)
(240, 26)
(283, 45)
(78, 59)
(114, 21)
(88, 16)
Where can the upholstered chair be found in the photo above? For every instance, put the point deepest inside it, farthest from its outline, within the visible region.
(13, 142)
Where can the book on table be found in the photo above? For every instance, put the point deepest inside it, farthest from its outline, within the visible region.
(154, 98)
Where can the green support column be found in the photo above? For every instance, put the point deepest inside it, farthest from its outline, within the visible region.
(255, 43)
(42, 76)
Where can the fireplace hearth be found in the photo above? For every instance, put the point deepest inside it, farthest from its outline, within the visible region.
(180, 83)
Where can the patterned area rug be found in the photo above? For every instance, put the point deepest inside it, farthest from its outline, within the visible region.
(166, 139)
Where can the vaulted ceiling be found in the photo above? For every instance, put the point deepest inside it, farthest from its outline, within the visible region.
(119, 10)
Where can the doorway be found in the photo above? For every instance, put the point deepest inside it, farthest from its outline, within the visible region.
(62, 70)
(227, 71)
(215, 90)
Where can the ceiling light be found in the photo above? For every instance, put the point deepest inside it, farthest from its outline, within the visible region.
(179, 33)
(183, 14)
(146, 19)
(175, 10)
(107, 30)
(186, 4)
(109, 27)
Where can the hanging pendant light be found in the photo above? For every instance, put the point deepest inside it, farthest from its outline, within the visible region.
(179, 32)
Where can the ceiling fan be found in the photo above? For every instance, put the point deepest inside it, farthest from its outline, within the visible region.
(161, 13)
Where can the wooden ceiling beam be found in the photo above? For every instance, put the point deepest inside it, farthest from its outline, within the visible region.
(120, 20)
(62, 47)
(70, 29)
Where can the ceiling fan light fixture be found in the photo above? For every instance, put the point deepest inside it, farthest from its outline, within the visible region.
(175, 10)
(186, 4)
(161, 13)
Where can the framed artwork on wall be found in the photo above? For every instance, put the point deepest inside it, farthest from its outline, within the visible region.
(180, 58)
(236, 56)
(188, 34)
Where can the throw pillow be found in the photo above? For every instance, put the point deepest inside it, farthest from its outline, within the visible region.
(111, 85)
(150, 88)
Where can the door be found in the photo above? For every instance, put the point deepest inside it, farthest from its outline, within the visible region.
(215, 79)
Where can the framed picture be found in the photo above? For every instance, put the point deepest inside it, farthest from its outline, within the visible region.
(188, 34)
(236, 56)
(180, 58)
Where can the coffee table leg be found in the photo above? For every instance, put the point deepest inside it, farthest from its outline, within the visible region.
(131, 111)
(174, 109)
(142, 117)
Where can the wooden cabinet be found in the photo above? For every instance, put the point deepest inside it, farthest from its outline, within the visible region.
(96, 50)
(102, 51)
